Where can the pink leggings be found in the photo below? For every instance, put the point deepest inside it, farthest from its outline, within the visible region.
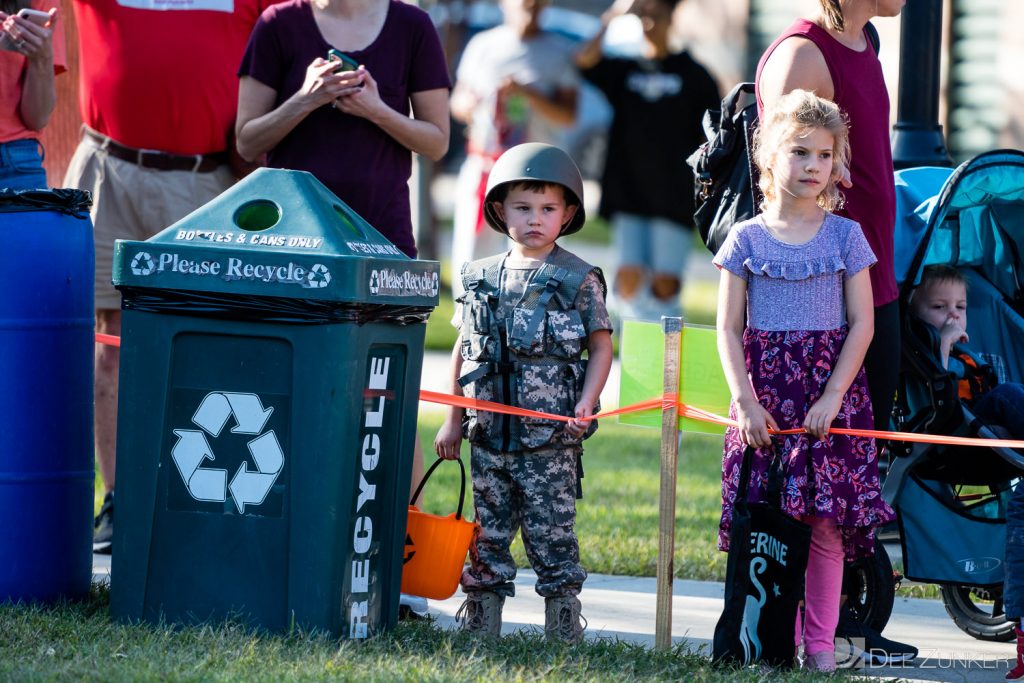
(823, 587)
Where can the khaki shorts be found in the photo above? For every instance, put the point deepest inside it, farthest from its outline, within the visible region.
(134, 203)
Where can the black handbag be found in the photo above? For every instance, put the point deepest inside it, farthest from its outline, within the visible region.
(764, 577)
(725, 191)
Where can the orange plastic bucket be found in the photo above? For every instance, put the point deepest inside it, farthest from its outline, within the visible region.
(435, 546)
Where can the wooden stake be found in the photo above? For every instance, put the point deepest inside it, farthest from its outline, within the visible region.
(673, 328)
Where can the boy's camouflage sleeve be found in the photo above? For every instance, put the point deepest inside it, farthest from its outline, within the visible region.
(590, 303)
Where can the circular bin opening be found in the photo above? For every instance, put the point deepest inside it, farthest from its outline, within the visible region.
(347, 222)
(259, 214)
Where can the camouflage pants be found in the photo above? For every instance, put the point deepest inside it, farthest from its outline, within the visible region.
(533, 492)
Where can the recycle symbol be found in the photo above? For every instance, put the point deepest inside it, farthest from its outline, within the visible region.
(142, 264)
(192, 448)
(318, 276)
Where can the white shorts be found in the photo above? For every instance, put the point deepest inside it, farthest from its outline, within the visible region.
(134, 203)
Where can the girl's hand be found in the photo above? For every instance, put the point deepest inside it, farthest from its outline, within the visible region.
(448, 440)
(821, 415)
(31, 39)
(754, 422)
(578, 427)
(362, 101)
(323, 86)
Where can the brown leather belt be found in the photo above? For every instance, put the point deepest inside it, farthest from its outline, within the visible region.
(161, 161)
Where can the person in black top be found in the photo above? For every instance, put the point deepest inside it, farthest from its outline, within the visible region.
(659, 99)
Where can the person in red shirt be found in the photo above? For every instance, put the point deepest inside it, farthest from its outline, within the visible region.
(158, 100)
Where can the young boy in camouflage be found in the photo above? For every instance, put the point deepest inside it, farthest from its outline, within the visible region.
(525, 321)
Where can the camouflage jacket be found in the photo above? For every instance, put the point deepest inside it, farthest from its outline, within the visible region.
(523, 338)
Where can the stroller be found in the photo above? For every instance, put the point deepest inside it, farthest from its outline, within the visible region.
(951, 500)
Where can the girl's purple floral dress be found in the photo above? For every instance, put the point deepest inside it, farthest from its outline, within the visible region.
(796, 326)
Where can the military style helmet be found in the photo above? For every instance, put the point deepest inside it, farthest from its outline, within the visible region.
(534, 161)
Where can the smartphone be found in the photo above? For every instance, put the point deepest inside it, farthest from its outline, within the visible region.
(35, 16)
(346, 63)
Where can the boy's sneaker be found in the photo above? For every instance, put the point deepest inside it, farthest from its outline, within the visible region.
(103, 528)
(411, 607)
(868, 644)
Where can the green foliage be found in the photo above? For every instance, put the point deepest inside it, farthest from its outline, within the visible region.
(597, 231)
(441, 334)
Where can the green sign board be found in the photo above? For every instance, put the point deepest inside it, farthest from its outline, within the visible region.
(701, 381)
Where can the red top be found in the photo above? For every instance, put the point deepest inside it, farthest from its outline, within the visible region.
(860, 92)
(12, 78)
(160, 74)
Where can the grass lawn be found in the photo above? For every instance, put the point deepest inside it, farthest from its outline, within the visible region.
(78, 642)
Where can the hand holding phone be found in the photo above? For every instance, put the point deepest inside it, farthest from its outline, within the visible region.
(37, 17)
(345, 63)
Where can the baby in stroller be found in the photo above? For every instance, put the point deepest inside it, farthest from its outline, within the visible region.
(940, 302)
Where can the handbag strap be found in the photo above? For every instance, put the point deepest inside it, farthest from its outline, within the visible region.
(462, 487)
(775, 477)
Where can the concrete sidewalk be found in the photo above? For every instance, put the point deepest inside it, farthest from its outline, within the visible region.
(624, 608)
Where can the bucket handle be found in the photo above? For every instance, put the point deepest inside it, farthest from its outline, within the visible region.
(462, 489)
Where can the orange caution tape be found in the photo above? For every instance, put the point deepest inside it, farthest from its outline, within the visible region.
(670, 400)
(108, 339)
(698, 414)
(492, 407)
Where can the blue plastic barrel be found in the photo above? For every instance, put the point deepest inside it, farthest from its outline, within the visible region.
(46, 371)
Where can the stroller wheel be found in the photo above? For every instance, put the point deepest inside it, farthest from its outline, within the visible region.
(870, 586)
(978, 612)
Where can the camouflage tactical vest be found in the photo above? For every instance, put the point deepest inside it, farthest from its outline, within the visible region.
(531, 359)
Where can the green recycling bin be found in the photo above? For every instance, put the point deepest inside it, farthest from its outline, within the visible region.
(271, 349)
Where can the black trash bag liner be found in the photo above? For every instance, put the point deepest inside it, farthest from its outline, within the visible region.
(267, 309)
(61, 199)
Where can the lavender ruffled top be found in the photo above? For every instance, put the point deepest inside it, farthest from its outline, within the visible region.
(796, 286)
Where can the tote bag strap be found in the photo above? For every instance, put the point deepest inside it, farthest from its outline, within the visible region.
(775, 478)
(462, 487)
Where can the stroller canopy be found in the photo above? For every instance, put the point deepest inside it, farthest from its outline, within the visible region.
(971, 216)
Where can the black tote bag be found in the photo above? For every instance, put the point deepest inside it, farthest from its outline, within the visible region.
(764, 577)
